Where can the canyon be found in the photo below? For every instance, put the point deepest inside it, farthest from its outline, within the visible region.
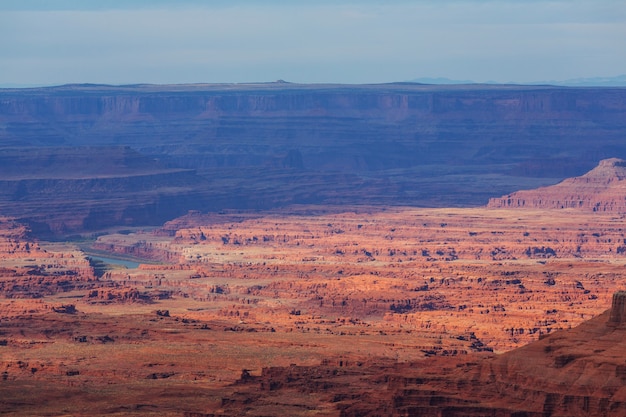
(262, 146)
(296, 250)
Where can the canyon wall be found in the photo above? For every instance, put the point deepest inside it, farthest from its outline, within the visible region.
(330, 127)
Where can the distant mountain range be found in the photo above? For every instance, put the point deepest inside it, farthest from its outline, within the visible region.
(618, 81)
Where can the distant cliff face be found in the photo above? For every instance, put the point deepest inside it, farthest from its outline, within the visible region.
(602, 189)
(268, 145)
(536, 131)
(72, 189)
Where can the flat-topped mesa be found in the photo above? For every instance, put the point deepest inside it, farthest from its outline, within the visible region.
(618, 309)
(608, 170)
(603, 189)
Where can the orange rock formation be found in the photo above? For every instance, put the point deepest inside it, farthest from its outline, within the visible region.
(31, 270)
(577, 372)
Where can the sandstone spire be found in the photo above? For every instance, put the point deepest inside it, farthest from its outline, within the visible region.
(618, 309)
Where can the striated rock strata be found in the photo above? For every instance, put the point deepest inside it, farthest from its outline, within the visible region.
(336, 127)
(569, 373)
(30, 270)
(603, 189)
(64, 190)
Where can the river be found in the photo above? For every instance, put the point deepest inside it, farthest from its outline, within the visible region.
(115, 261)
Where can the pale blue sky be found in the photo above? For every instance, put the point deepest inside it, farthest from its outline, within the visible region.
(162, 41)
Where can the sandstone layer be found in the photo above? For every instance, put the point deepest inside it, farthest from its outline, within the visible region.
(32, 270)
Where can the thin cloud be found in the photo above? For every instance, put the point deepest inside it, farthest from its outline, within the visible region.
(371, 41)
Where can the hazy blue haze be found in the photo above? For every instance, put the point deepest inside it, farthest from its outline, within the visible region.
(118, 42)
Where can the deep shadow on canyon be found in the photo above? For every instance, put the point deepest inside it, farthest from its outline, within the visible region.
(86, 157)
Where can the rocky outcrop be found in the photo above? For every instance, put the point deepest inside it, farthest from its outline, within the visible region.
(602, 189)
(124, 295)
(28, 270)
(574, 372)
(617, 316)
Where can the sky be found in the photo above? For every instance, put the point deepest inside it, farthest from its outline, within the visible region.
(52, 42)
